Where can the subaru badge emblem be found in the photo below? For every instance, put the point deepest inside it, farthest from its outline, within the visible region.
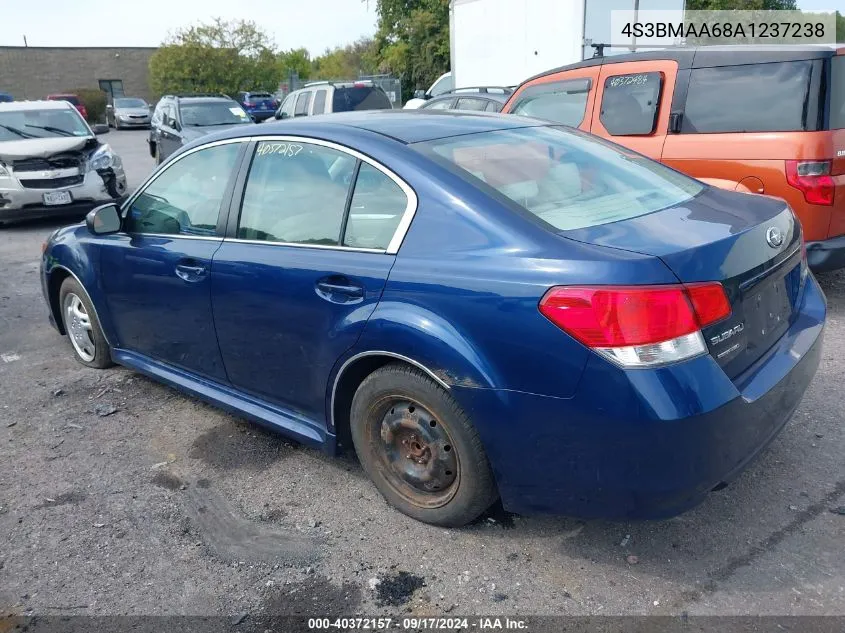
(774, 236)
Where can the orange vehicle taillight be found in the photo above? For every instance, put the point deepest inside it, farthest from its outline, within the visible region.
(813, 179)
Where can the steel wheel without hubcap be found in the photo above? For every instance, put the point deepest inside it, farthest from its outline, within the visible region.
(79, 328)
(418, 455)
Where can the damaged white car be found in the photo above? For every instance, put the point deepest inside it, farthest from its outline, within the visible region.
(51, 162)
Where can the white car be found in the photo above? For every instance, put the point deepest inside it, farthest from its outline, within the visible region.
(51, 162)
(443, 84)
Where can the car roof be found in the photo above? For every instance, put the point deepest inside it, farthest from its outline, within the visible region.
(709, 56)
(204, 99)
(405, 126)
(19, 106)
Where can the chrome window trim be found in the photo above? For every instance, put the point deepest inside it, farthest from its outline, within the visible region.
(209, 238)
(237, 240)
(410, 195)
(352, 359)
(88, 296)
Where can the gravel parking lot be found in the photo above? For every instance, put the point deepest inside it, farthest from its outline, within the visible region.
(121, 496)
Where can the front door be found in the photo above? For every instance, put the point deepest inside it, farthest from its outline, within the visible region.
(156, 273)
(305, 267)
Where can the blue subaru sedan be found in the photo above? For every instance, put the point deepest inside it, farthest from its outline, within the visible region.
(483, 306)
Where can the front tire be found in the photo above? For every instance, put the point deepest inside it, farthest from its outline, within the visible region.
(419, 448)
(82, 326)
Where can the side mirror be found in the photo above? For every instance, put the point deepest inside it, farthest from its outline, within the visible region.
(100, 128)
(419, 94)
(109, 106)
(282, 115)
(176, 125)
(103, 220)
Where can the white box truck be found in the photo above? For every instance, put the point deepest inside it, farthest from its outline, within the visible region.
(503, 42)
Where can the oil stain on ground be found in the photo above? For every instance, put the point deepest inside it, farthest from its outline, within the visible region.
(167, 480)
(315, 596)
(396, 589)
(231, 446)
(72, 498)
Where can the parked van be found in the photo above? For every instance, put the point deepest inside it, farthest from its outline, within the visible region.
(767, 120)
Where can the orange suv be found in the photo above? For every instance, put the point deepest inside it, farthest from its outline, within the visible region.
(753, 119)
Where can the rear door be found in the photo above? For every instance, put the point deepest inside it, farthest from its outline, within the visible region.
(303, 100)
(633, 102)
(308, 250)
(566, 98)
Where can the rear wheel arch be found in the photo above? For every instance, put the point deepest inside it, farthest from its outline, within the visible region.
(54, 286)
(350, 376)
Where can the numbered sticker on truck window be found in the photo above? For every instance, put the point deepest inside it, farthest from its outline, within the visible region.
(281, 149)
(628, 80)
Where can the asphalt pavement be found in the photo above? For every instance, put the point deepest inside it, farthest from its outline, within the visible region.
(121, 496)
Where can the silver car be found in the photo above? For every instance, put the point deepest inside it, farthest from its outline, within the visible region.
(52, 163)
(128, 112)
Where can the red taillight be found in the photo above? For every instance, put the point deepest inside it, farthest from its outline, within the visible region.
(813, 179)
(624, 316)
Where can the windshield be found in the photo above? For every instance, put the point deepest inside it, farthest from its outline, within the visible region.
(130, 103)
(24, 124)
(566, 178)
(213, 113)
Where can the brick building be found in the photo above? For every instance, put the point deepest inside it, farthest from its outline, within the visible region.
(34, 72)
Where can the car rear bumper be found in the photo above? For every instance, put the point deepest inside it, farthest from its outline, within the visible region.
(260, 115)
(644, 443)
(22, 203)
(826, 255)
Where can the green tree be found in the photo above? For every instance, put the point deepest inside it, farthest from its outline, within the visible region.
(347, 62)
(219, 56)
(745, 5)
(413, 40)
(840, 27)
(297, 60)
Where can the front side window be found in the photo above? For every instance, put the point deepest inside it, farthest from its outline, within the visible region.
(296, 193)
(302, 104)
(750, 98)
(566, 178)
(563, 102)
(378, 204)
(185, 198)
(17, 125)
(210, 113)
(629, 103)
(439, 104)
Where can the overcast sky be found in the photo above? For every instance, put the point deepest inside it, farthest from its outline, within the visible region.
(314, 24)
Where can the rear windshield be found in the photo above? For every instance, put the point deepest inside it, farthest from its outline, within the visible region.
(837, 95)
(568, 179)
(775, 97)
(360, 98)
(260, 95)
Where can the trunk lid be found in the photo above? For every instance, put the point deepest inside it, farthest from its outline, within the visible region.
(749, 243)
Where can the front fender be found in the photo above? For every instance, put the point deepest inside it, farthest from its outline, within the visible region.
(72, 254)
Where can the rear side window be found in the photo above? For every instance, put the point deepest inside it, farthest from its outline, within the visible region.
(837, 94)
(775, 97)
(561, 101)
(378, 204)
(295, 193)
(629, 103)
(494, 106)
(319, 102)
(302, 104)
(359, 98)
(440, 104)
(566, 178)
(467, 103)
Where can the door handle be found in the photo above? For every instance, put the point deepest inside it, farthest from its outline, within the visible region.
(338, 289)
(190, 271)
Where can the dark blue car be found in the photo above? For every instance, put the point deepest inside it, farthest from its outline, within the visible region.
(483, 306)
(259, 105)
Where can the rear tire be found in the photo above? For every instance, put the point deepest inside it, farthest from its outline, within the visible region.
(419, 448)
(82, 326)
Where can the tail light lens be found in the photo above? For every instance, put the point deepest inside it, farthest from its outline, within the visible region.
(813, 179)
(638, 326)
